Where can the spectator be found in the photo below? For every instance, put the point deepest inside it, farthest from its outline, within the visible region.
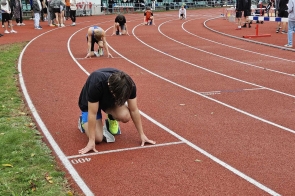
(6, 16)
(291, 23)
(282, 13)
(37, 11)
(18, 13)
(73, 8)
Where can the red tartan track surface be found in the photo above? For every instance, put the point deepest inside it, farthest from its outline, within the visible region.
(220, 107)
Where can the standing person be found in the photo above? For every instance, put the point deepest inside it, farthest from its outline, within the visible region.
(32, 12)
(291, 23)
(18, 13)
(44, 8)
(182, 13)
(50, 14)
(62, 13)
(68, 5)
(6, 16)
(55, 4)
(247, 13)
(239, 10)
(108, 90)
(73, 8)
(282, 13)
(37, 11)
(120, 26)
(97, 35)
(148, 17)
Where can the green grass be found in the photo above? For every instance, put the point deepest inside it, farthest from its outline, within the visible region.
(27, 166)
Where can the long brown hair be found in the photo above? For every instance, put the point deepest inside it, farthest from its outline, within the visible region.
(120, 85)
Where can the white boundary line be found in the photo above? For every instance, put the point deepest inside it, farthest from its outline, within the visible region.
(223, 57)
(237, 172)
(124, 149)
(247, 40)
(249, 51)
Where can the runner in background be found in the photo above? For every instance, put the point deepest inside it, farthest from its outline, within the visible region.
(182, 13)
(120, 26)
(148, 18)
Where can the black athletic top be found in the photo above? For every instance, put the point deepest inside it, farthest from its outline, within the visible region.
(122, 22)
(96, 89)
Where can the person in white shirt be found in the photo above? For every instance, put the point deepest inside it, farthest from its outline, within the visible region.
(6, 15)
(182, 13)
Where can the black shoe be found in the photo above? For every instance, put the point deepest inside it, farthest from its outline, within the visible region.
(249, 25)
(244, 25)
(261, 22)
(1, 35)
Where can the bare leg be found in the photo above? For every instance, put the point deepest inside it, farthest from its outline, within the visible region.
(98, 130)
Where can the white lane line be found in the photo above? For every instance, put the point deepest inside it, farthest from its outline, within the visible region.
(124, 149)
(45, 131)
(229, 91)
(247, 40)
(198, 93)
(209, 70)
(223, 57)
(249, 51)
(232, 169)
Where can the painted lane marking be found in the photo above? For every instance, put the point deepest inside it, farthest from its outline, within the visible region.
(76, 177)
(223, 57)
(237, 172)
(204, 96)
(124, 149)
(249, 51)
(229, 91)
(209, 70)
(248, 40)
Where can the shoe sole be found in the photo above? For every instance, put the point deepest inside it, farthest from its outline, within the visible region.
(108, 137)
(80, 126)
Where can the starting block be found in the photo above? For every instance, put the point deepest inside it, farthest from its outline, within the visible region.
(107, 136)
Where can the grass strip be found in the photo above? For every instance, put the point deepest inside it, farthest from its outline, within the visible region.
(27, 166)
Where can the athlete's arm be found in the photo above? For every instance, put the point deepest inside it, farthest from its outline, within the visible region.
(92, 112)
(136, 118)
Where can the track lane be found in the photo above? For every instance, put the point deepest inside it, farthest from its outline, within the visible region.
(138, 75)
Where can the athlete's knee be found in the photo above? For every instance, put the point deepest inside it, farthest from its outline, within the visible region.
(100, 44)
(124, 116)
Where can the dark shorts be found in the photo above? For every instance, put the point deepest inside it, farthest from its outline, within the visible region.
(247, 13)
(239, 14)
(56, 10)
(85, 116)
(283, 14)
(123, 27)
(6, 17)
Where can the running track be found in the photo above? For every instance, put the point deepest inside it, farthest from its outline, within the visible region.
(220, 108)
